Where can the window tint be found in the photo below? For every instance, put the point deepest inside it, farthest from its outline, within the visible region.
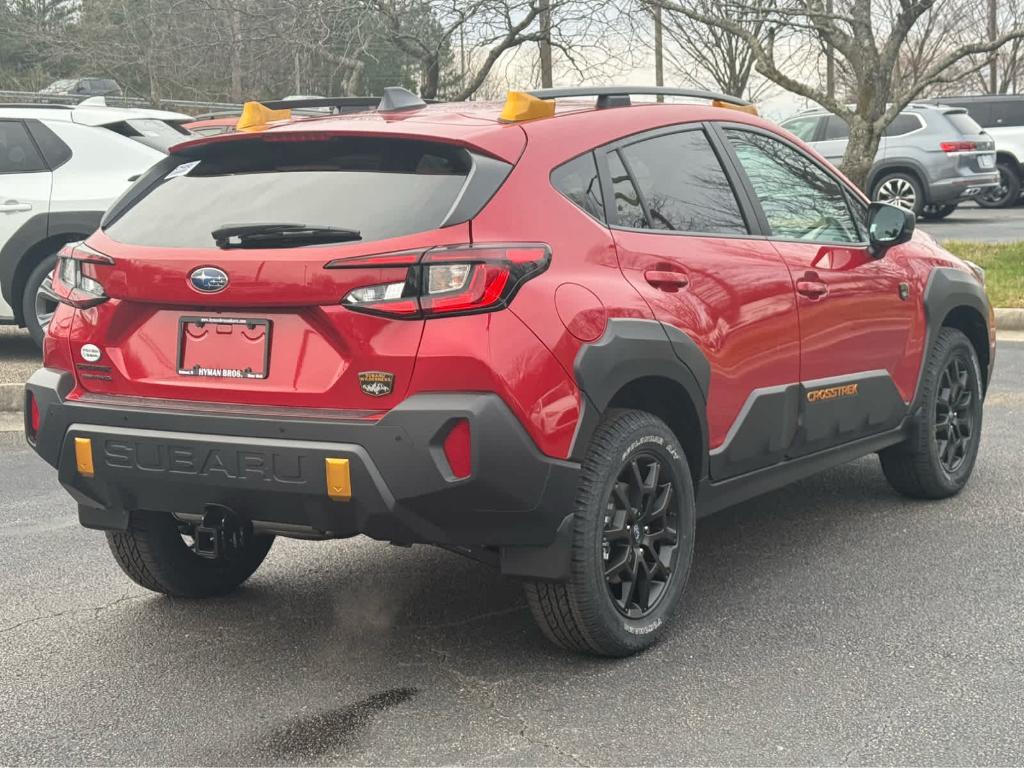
(683, 184)
(17, 152)
(980, 111)
(802, 127)
(1008, 113)
(963, 123)
(578, 181)
(902, 124)
(628, 211)
(799, 199)
(836, 128)
(381, 187)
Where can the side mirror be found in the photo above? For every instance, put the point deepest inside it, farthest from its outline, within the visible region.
(888, 226)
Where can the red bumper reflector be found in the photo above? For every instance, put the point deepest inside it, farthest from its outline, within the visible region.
(458, 449)
(34, 419)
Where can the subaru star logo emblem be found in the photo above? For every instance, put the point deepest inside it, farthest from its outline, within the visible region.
(209, 279)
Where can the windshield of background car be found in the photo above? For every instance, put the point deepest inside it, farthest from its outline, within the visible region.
(802, 127)
(58, 86)
(381, 187)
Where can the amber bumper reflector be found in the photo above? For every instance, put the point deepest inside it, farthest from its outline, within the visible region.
(339, 481)
(83, 456)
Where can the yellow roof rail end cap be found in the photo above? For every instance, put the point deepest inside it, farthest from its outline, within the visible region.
(750, 109)
(255, 116)
(520, 106)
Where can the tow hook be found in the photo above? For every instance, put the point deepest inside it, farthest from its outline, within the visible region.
(221, 534)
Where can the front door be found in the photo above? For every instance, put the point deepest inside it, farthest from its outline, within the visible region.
(683, 240)
(24, 184)
(858, 316)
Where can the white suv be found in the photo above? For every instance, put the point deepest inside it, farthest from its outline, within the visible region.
(60, 168)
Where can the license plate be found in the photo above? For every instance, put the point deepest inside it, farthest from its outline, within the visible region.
(223, 347)
(987, 161)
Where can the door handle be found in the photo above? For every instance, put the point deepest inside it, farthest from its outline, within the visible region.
(812, 289)
(665, 280)
(13, 206)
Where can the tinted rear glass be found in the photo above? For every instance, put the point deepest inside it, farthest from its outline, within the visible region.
(902, 124)
(18, 153)
(963, 123)
(577, 180)
(1008, 113)
(381, 187)
(684, 185)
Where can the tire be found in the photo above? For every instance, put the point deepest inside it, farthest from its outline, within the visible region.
(584, 613)
(37, 290)
(902, 189)
(1008, 192)
(154, 555)
(937, 212)
(919, 467)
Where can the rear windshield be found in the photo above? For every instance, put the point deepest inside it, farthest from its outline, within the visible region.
(380, 187)
(963, 122)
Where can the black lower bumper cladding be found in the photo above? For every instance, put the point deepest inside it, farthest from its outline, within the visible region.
(163, 457)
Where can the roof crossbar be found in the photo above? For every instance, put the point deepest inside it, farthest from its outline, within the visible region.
(618, 95)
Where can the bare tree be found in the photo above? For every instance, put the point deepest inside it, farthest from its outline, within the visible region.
(867, 37)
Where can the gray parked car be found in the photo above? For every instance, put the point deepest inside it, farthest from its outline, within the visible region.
(930, 159)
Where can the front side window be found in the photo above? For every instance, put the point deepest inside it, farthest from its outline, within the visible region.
(577, 180)
(683, 184)
(800, 200)
(18, 153)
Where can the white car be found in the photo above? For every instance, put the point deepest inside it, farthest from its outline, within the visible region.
(60, 168)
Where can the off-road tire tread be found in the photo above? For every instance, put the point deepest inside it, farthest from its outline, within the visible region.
(136, 552)
(908, 466)
(563, 618)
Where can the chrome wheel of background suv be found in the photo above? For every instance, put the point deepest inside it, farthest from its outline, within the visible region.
(898, 190)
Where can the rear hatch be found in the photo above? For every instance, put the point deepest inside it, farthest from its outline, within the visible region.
(974, 148)
(216, 295)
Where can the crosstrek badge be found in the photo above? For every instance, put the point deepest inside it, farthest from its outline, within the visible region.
(376, 383)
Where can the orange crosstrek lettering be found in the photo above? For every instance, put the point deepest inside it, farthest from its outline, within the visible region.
(831, 393)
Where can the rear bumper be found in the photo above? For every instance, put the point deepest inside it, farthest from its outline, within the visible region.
(161, 456)
(959, 188)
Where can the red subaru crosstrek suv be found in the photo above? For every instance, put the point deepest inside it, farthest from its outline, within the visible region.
(550, 339)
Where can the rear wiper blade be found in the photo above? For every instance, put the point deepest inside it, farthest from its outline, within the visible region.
(280, 235)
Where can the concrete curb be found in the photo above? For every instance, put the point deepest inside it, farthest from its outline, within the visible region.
(1009, 319)
(11, 397)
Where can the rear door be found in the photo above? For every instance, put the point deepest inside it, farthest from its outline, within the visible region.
(25, 182)
(685, 242)
(857, 314)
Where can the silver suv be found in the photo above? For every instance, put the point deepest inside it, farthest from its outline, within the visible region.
(930, 159)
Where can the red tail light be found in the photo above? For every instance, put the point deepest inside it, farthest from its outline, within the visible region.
(458, 449)
(447, 281)
(74, 279)
(958, 146)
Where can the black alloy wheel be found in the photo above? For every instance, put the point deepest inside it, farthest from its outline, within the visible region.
(640, 542)
(954, 415)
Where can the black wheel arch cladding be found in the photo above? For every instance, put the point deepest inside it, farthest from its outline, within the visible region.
(634, 349)
(949, 291)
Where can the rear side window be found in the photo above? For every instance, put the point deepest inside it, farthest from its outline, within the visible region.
(381, 187)
(577, 180)
(628, 211)
(1008, 113)
(902, 124)
(683, 185)
(18, 153)
(836, 128)
(802, 127)
(963, 123)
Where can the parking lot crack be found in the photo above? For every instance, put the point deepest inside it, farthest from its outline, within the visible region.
(95, 610)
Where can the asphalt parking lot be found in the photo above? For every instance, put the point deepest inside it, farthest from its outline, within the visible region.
(832, 622)
(969, 222)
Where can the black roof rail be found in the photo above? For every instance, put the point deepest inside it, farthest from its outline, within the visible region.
(395, 99)
(618, 95)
